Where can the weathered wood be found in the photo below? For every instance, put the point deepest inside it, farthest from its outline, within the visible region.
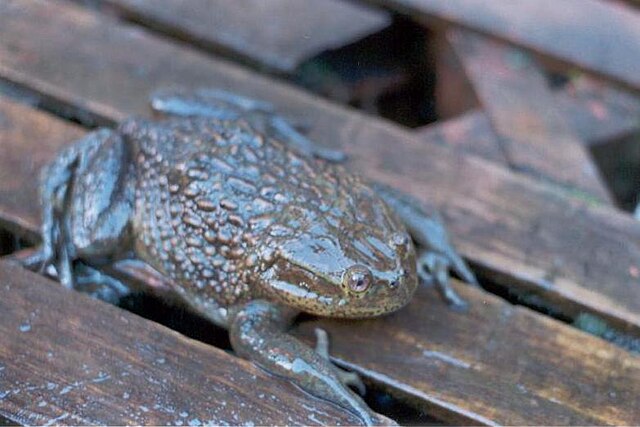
(198, 22)
(515, 94)
(195, 22)
(68, 359)
(609, 45)
(599, 115)
(495, 364)
(470, 133)
(532, 237)
(27, 141)
(453, 93)
(598, 112)
(278, 34)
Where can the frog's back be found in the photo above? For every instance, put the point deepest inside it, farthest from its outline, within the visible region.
(208, 192)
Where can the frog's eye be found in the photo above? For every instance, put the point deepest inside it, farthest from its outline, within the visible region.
(357, 279)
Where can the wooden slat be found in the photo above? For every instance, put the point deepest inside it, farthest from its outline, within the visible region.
(25, 146)
(214, 23)
(278, 34)
(520, 105)
(598, 114)
(532, 237)
(601, 37)
(197, 21)
(494, 364)
(71, 360)
(470, 133)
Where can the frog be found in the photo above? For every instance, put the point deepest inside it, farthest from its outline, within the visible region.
(252, 222)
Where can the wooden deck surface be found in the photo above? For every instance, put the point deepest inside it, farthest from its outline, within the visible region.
(277, 36)
(563, 246)
(68, 359)
(609, 48)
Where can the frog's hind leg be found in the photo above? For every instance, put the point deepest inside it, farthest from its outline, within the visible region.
(86, 197)
(224, 105)
(436, 254)
(258, 333)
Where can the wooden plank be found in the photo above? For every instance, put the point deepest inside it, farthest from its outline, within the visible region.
(71, 360)
(570, 252)
(470, 133)
(278, 35)
(515, 94)
(597, 36)
(597, 113)
(216, 24)
(24, 148)
(464, 369)
(495, 364)
(453, 92)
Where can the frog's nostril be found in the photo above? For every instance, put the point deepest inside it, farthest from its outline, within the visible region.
(394, 284)
(400, 239)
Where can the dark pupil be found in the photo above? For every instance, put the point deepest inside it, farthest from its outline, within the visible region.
(359, 281)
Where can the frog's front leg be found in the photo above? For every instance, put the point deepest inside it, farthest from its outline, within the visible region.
(87, 200)
(436, 255)
(258, 333)
(346, 377)
(224, 105)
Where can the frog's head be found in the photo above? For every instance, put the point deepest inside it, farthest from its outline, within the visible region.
(354, 259)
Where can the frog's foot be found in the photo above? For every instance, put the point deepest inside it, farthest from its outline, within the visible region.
(427, 229)
(434, 268)
(97, 284)
(224, 105)
(302, 144)
(347, 378)
(258, 333)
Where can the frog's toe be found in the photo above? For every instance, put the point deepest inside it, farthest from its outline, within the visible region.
(347, 378)
(98, 285)
(461, 268)
(434, 268)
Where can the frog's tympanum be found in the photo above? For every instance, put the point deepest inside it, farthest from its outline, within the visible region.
(251, 221)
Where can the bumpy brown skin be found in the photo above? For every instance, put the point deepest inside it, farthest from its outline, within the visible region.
(232, 216)
(251, 229)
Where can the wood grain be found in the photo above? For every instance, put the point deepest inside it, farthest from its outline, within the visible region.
(597, 36)
(28, 140)
(534, 238)
(67, 359)
(470, 133)
(516, 96)
(495, 364)
(597, 116)
(277, 35)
